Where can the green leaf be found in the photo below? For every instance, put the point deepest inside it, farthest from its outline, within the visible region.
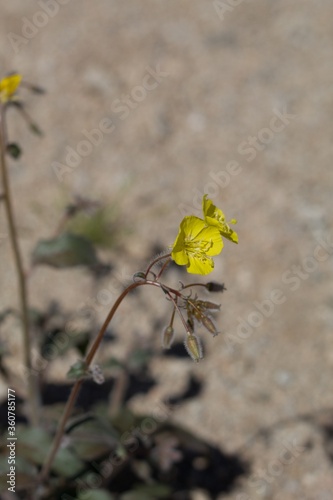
(14, 150)
(66, 464)
(34, 444)
(113, 363)
(139, 358)
(78, 370)
(66, 250)
(148, 492)
(35, 129)
(79, 341)
(94, 438)
(98, 494)
(124, 420)
(99, 228)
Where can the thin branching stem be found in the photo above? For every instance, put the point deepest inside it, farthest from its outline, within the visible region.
(76, 388)
(161, 257)
(33, 399)
(167, 291)
(163, 268)
(194, 284)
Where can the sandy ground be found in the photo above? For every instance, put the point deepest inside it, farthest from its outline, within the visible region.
(239, 106)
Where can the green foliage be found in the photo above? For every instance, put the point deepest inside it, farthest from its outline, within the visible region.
(14, 150)
(77, 371)
(99, 227)
(94, 438)
(97, 494)
(148, 492)
(66, 250)
(35, 129)
(33, 445)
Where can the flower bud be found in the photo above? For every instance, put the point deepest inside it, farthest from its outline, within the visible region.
(213, 286)
(139, 276)
(193, 347)
(167, 337)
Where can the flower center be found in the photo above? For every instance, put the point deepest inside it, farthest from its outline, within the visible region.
(198, 248)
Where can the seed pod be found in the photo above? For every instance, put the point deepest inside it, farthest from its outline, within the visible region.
(208, 323)
(193, 347)
(208, 305)
(190, 322)
(198, 315)
(168, 335)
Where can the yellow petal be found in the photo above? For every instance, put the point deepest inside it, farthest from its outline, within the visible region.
(192, 226)
(210, 210)
(212, 235)
(194, 245)
(8, 86)
(200, 266)
(216, 218)
(231, 235)
(180, 257)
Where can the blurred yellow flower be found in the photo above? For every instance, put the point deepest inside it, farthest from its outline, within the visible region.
(8, 86)
(214, 217)
(195, 244)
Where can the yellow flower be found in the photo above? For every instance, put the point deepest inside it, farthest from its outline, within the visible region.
(214, 217)
(8, 86)
(195, 244)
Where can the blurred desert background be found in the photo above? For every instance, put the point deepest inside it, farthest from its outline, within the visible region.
(242, 110)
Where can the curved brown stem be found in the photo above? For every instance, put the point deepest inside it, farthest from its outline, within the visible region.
(75, 390)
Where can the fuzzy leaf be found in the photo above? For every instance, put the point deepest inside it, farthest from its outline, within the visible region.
(98, 494)
(66, 250)
(14, 150)
(57, 347)
(34, 446)
(94, 438)
(98, 227)
(35, 129)
(139, 358)
(77, 371)
(148, 492)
